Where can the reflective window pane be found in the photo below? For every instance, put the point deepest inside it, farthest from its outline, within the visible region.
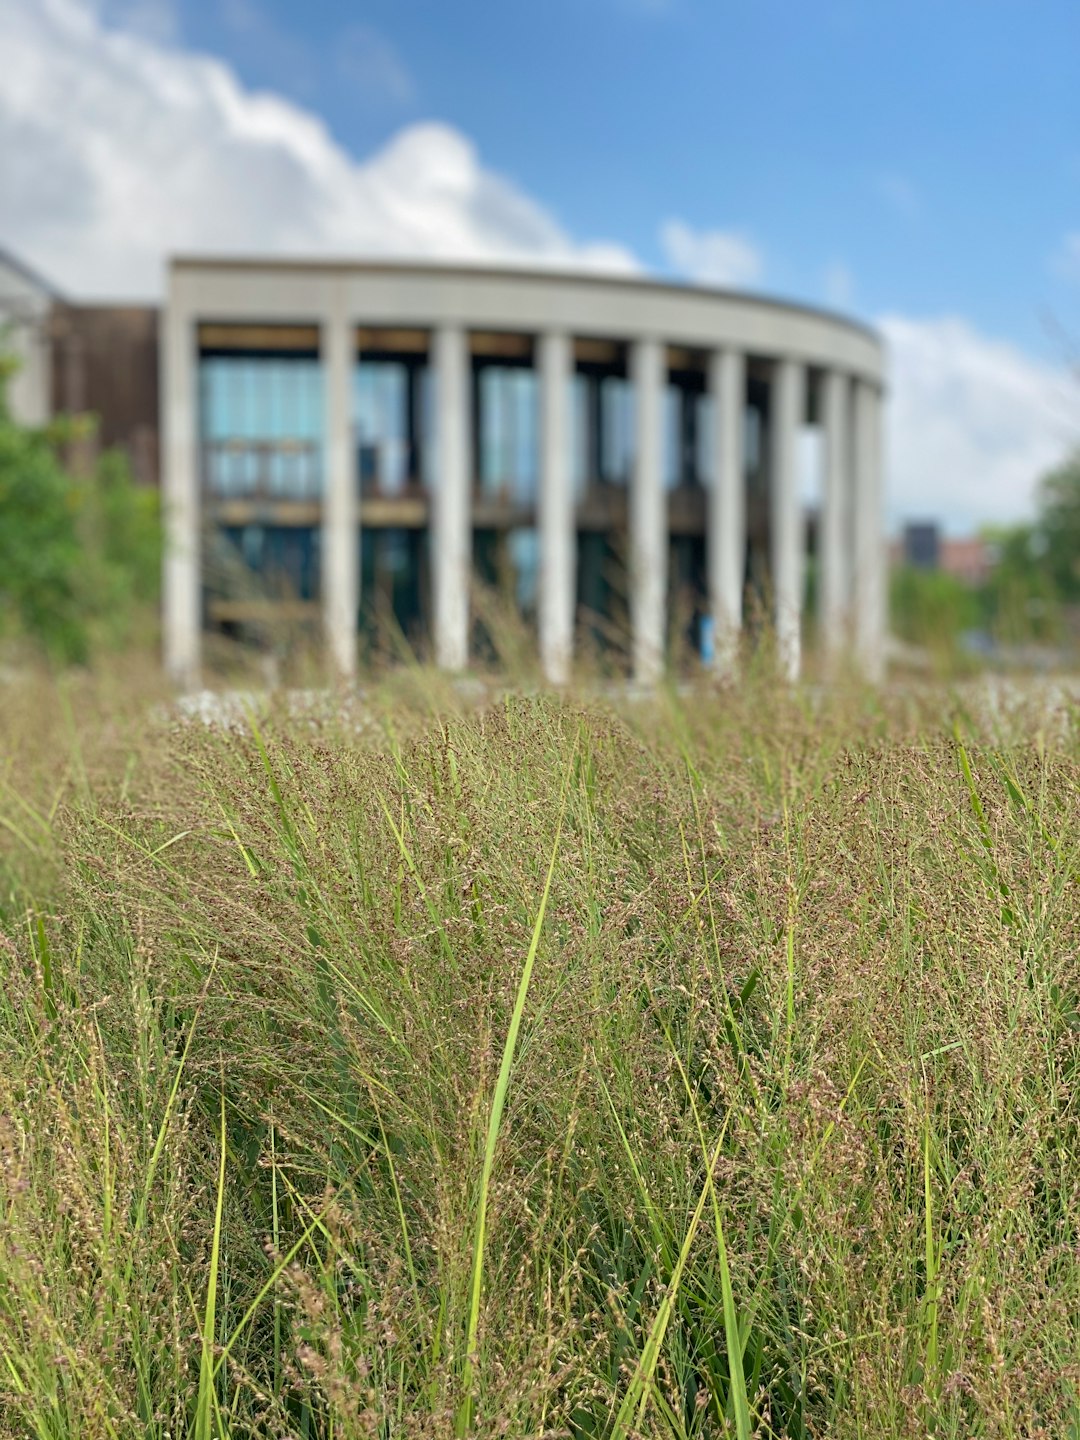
(507, 443)
(261, 420)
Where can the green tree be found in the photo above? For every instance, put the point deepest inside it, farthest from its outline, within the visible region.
(120, 528)
(79, 554)
(1037, 565)
(1019, 599)
(39, 543)
(1058, 528)
(930, 608)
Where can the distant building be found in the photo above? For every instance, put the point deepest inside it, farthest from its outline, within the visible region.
(923, 547)
(77, 359)
(624, 451)
(26, 306)
(970, 560)
(341, 439)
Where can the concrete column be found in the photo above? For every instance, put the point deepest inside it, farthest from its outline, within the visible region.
(836, 500)
(787, 408)
(725, 543)
(869, 591)
(451, 505)
(341, 508)
(181, 576)
(557, 527)
(648, 514)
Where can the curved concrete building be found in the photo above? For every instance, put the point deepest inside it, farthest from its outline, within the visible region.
(626, 456)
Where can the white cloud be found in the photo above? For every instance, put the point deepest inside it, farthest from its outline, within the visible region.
(899, 194)
(368, 61)
(279, 54)
(117, 149)
(1066, 261)
(839, 286)
(153, 19)
(972, 423)
(711, 257)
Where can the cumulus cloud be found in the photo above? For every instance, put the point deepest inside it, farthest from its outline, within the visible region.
(971, 423)
(155, 19)
(1066, 261)
(117, 148)
(711, 257)
(839, 286)
(368, 61)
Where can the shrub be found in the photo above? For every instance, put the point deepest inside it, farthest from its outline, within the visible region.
(80, 554)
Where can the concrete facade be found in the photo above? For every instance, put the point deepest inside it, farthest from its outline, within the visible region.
(722, 360)
(558, 533)
(26, 304)
(74, 359)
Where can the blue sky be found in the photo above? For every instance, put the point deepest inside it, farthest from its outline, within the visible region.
(929, 151)
(915, 163)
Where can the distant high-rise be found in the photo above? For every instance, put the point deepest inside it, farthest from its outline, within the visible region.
(922, 544)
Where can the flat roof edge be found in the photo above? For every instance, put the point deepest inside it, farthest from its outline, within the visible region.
(484, 269)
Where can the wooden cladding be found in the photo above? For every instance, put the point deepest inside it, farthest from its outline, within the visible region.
(681, 357)
(500, 345)
(588, 351)
(303, 339)
(591, 351)
(399, 340)
(392, 341)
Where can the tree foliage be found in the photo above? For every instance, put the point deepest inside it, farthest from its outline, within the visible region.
(1033, 585)
(930, 607)
(80, 553)
(1058, 528)
(1035, 580)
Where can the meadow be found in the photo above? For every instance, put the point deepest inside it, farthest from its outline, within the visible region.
(430, 1065)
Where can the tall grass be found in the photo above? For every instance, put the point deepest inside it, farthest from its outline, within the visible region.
(704, 1066)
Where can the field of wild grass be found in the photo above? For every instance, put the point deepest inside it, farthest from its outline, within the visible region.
(515, 1066)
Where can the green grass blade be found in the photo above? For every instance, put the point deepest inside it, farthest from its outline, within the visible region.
(931, 1300)
(740, 1402)
(498, 1103)
(633, 1405)
(206, 1401)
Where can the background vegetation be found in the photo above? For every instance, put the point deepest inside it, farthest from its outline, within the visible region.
(532, 1068)
(1031, 596)
(80, 543)
(396, 1066)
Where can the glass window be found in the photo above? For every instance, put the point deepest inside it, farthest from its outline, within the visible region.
(673, 420)
(686, 436)
(508, 433)
(579, 423)
(616, 429)
(524, 548)
(427, 469)
(705, 445)
(283, 562)
(380, 407)
(603, 403)
(753, 440)
(261, 418)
